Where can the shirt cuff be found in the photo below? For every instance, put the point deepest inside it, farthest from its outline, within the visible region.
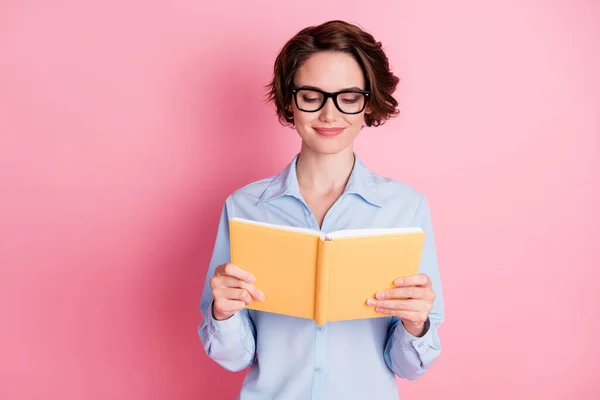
(229, 325)
(418, 343)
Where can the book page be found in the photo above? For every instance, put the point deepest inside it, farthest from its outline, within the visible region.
(371, 232)
(281, 227)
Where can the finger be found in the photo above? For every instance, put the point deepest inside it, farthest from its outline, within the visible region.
(409, 316)
(414, 280)
(236, 294)
(229, 306)
(231, 282)
(410, 292)
(236, 272)
(404, 305)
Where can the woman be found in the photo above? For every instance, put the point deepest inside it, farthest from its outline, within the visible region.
(328, 81)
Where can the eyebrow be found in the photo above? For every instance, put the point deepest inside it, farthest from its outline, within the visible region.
(341, 90)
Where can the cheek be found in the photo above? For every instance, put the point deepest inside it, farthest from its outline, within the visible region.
(356, 121)
(302, 118)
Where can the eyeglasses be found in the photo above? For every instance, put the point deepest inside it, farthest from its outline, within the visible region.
(347, 101)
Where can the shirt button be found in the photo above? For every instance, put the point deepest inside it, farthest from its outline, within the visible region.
(319, 328)
(318, 369)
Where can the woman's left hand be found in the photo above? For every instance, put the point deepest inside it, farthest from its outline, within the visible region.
(411, 301)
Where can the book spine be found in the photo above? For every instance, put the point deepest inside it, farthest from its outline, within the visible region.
(322, 284)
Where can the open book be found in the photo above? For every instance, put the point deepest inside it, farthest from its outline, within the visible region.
(326, 277)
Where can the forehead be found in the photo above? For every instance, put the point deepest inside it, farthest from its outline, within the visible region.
(330, 71)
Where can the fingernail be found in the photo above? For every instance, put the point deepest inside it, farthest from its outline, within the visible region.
(261, 296)
(398, 282)
(371, 302)
(251, 278)
(380, 295)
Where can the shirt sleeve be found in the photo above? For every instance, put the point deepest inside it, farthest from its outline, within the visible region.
(406, 355)
(231, 342)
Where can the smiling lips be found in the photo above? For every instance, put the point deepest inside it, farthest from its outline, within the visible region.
(328, 132)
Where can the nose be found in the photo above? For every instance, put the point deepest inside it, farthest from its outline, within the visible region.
(329, 112)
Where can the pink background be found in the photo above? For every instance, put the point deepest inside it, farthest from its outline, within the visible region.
(123, 129)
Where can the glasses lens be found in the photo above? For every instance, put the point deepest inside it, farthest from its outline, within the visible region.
(350, 102)
(309, 100)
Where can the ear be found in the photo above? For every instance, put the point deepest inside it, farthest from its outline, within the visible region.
(368, 109)
(290, 109)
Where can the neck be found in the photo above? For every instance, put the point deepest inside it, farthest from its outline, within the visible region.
(324, 173)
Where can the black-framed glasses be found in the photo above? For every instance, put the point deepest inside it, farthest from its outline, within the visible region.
(347, 101)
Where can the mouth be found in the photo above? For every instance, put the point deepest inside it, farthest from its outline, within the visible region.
(329, 132)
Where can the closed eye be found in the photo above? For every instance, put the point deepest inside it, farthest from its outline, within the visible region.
(311, 99)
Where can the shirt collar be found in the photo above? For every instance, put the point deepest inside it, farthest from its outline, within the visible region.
(362, 182)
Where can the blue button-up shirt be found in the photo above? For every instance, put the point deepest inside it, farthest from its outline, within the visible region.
(293, 358)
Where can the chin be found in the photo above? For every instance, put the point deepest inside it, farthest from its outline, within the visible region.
(329, 146)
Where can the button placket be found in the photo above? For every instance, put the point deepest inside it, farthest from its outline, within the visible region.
(320, 360)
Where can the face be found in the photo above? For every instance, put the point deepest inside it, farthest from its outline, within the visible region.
(331, 72)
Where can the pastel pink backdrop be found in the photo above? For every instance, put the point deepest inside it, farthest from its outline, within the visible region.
(123, 128)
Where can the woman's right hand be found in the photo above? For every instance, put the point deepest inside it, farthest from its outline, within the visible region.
(232, 290)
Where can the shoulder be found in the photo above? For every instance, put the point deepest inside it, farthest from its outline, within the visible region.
(249, 194)
(393, 190)
(386, 191)
(397, 196)
(253, 190)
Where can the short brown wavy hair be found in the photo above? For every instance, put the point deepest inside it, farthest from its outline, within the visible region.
(338, 36)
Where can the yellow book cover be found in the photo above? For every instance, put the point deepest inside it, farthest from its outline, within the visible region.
(326, 277)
